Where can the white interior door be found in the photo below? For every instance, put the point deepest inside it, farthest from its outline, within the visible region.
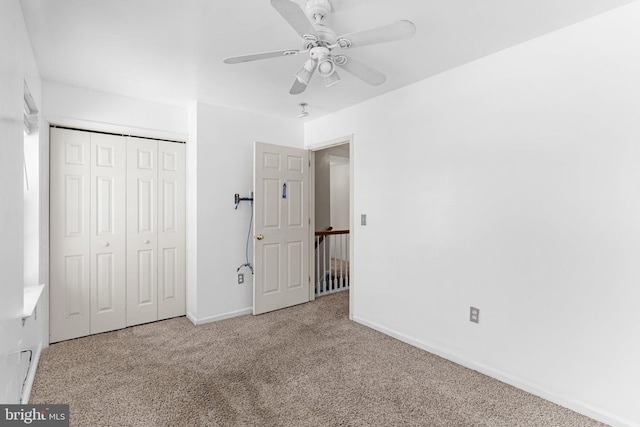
(281, 224)
(142, 236)
(108, 232)
(69, 256)
(172, 229)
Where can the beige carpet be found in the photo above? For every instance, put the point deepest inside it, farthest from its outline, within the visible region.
(303, 366)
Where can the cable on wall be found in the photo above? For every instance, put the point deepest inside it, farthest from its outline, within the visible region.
(237, 200)
(24, 383)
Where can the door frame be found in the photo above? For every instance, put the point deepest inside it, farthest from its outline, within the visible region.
(348, 139)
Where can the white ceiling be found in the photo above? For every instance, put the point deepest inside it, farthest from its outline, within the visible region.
(171, 51)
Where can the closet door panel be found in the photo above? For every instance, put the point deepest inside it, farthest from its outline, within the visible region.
(108, 232)
(69, 254)
(118, 227)
(171, 229)
(142, 240)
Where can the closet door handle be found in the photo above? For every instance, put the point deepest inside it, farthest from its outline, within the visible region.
(259, 237)
(106, 244)
(146, 242)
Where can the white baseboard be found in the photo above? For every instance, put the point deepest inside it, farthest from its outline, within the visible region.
(565, 401)
(26, 392)
(217, 317)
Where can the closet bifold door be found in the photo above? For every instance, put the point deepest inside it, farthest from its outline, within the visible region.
(142, 234)
(108, 232)
(171, 229)
(69, 254)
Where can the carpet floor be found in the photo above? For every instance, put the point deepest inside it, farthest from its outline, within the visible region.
(307, 365)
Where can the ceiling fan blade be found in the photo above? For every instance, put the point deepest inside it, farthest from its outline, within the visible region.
(257, 56)
(295, 16)
(395, 31)
(360, 70)
(297, 87)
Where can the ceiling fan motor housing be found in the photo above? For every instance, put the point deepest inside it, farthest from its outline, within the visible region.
(325, 35)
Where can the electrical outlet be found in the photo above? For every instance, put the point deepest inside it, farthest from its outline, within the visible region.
(474, 315)
(240, 278)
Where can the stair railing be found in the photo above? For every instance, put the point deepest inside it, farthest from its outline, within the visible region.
(332, 261)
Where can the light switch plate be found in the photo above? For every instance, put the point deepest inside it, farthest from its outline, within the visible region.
(363, 219)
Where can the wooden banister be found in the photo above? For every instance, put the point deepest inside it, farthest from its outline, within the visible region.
(331, 232)
(318, 241)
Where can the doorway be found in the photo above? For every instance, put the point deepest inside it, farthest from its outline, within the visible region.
(332, 245)
(284, 205)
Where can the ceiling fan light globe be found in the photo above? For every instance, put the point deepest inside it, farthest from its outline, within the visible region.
(326, 67)
(332, 79)
(303, 76)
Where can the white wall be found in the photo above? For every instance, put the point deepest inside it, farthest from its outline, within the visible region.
(225, 140)
(511, 184)
(16, 65)
(99, 111)
(325, 183)
(340, 194)
(31, 213)
(192, 211)
(322, 190)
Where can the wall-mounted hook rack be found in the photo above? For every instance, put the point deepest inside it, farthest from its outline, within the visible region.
(237, 199)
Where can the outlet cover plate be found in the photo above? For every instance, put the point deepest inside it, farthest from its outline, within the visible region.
(240, 278)
(474, 314)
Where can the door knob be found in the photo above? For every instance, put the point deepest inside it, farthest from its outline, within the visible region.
(106, 244)
(259, 237)
(146, 242)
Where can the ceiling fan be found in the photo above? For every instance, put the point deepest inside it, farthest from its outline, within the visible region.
(319, 42)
